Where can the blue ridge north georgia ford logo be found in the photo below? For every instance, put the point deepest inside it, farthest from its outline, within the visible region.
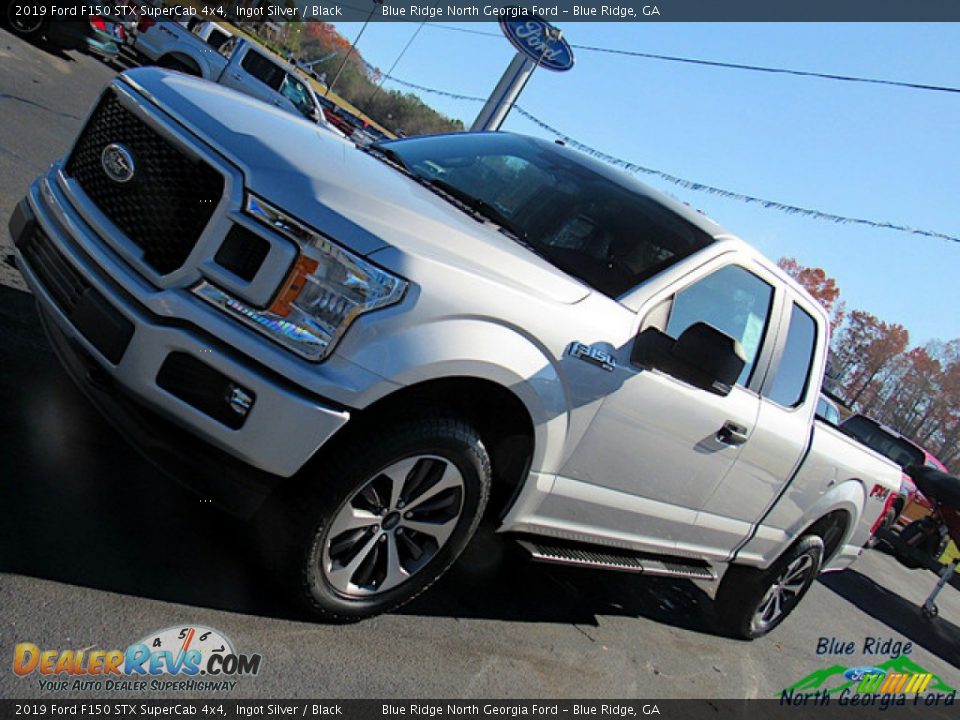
(118, 163)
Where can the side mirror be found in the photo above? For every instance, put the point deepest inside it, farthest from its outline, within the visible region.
(702, 356)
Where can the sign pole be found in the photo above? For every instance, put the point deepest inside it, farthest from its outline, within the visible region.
(538, 44)
(495, 110)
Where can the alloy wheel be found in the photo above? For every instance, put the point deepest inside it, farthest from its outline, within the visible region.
(393, 526)
(783, 594)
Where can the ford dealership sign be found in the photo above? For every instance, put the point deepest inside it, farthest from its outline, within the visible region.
(539, 41)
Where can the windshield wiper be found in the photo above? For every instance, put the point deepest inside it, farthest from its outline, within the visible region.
(391, 156)
(479, 206)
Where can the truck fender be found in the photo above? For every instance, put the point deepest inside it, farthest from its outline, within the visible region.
(770, 543)
(459, 347)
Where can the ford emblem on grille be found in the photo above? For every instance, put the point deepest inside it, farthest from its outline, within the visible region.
(118, 163)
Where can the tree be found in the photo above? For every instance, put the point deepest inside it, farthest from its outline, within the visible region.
(864, 348)
(814, 280)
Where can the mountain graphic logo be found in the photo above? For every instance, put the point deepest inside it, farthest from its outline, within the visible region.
(899, 674)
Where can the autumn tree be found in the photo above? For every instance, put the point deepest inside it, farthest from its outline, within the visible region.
(816, 282)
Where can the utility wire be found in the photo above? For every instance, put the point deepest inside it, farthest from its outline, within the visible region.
(730, 65)
(683, 182)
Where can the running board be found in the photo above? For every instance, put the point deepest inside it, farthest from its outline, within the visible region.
(595, 556)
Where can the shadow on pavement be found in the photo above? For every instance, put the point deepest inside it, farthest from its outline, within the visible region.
(79, 506)
(40, 43)
(939, 636)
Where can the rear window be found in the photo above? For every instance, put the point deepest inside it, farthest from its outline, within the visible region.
(263, 70)
(790, 383)
(876, 438)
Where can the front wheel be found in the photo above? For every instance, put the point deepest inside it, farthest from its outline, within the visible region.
(752, 602)
(31, 25)
(383, 518)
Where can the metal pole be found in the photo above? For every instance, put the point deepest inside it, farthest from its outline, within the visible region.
(512, 83)
(495, 110)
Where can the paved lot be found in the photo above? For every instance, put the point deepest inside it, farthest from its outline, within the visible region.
(98, 549)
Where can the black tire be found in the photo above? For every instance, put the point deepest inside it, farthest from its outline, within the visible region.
(295, 527)
(31, 27)
(925, 538)
(744, 591)
(886, 524)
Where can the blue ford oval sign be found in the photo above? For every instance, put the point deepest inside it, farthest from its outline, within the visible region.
(539, 41)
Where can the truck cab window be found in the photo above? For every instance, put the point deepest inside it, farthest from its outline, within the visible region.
(790, 382)
(734, 301)
(227, 48)
(217, 38)
(263, 70)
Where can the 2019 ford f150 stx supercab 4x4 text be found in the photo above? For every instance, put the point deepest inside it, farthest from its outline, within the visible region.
(369, 349)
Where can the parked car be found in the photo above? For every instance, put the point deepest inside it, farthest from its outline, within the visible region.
(78, 33)
(366, 359)
(910, 503)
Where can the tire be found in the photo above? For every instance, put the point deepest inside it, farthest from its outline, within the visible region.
(926, 539)
(380, 519)
(887, 523)
(745, 593)
(29, 27)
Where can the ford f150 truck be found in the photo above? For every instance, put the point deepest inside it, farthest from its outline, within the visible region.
(211, 52)
(369, 349)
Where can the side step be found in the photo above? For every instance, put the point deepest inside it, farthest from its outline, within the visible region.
(560, 552)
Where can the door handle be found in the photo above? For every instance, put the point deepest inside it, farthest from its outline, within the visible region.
(236, 76)
(732, 434)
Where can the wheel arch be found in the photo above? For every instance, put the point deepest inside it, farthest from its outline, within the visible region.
(500, 416)
(182, 59)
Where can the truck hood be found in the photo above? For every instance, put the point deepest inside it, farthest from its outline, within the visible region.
(357, 200)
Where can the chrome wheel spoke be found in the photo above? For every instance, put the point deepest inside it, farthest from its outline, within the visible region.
(440, 532)
(341, 576)
(776, 609)
(395, 572)
(449, 480)
(351, 518)
(398, 474)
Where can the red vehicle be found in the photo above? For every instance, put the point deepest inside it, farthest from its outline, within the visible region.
(910, 504)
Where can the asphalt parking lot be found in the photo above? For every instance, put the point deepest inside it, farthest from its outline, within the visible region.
(97, 548)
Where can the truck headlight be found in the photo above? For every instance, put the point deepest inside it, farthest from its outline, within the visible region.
(326, 289)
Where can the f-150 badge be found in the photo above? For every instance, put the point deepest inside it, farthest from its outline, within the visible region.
(593, 355)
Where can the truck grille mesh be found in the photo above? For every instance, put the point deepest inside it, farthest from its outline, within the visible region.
(171, 197)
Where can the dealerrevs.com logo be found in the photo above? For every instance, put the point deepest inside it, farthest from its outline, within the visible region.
(191, 658)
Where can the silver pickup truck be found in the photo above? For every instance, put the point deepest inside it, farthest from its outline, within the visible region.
(368, 350)
(210, 51)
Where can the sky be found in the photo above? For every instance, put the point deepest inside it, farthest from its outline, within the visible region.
(870, 151)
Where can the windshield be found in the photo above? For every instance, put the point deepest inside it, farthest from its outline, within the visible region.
(902, 452)
(580, 216)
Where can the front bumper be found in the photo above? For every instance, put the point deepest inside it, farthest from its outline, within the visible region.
(284, 425)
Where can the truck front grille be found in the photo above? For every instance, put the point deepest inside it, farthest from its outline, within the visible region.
(169, 200)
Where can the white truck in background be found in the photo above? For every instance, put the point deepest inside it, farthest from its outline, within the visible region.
(209, 50)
